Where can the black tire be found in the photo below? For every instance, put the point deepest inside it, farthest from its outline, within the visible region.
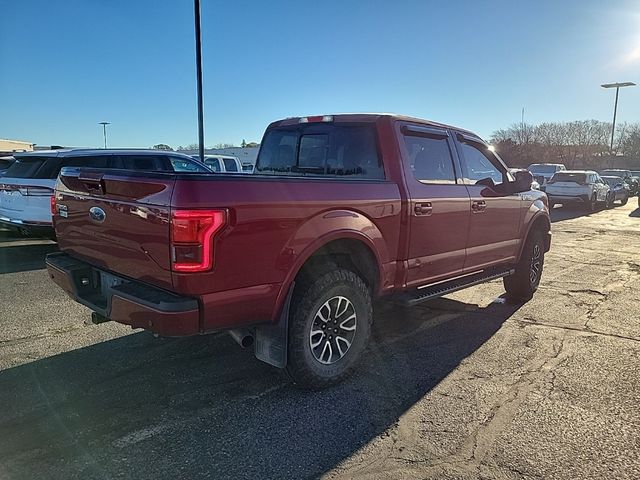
(610, 200)
(624, 201)
(312, 301)
(523, 284)
(592, 206)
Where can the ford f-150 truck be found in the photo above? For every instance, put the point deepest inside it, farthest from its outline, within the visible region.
(341, 209)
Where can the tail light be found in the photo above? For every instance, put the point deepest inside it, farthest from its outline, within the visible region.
(192, 235)
(30, 191)
(54, 208)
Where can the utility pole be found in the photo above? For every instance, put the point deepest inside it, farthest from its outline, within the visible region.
(104, 131)
(617, 86)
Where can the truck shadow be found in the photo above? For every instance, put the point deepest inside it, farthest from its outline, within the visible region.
(18, 254)
(560, 214)
(142, 407)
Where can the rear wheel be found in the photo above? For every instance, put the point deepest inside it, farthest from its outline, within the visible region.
(526, 279)
(329, 328)
(624, 201)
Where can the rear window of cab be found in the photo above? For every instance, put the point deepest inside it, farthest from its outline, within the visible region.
(321, 150)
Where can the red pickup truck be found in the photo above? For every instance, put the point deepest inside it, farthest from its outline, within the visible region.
(341, 209)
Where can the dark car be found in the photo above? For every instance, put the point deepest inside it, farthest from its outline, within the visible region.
(619, 188)
(341, 209)
(627, 177)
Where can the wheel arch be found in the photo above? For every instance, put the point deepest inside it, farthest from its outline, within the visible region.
(541, 223)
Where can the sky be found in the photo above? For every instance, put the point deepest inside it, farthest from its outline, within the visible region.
(69, 64)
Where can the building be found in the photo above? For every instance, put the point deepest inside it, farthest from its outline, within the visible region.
(10, 146)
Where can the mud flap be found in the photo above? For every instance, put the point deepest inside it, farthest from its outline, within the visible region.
(272, 340)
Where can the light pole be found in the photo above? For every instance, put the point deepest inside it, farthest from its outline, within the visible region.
(615, 105)
(104, 131)
(196, 11)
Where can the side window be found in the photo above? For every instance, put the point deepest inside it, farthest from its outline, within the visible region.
(230, 165)
(182, 165)
(478, 165)
(213, 164)
(143, 162)
(93, 162)
(430, 159)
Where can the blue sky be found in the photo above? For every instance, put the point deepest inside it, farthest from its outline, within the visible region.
(67, 65)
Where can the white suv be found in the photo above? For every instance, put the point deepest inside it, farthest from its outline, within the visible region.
(579, 186)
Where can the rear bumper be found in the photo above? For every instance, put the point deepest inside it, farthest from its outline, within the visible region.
(568, 198)
(123, 300)
(32, 228)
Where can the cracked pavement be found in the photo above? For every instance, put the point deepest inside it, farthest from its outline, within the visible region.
(464, 387)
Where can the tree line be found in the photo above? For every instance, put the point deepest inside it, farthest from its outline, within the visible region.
(577, 144)
(195, 146)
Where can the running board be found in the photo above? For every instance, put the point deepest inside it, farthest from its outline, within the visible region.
(430, 292)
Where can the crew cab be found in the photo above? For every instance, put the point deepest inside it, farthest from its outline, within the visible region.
(582, 187)
(27, 186)
(341, 209)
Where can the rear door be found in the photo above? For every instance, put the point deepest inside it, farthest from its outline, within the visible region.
(439, 205)
(116, 220)
(494, 223)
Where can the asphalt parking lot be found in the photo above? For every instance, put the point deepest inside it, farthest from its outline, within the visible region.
(467, 386)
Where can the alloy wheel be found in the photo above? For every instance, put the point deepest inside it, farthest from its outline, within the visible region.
(333, 330)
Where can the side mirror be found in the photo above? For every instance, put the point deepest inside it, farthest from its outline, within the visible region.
(523, 181)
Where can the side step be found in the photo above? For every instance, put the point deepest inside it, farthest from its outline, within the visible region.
(443, 288)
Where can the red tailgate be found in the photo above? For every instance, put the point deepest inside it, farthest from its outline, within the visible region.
(116, 220)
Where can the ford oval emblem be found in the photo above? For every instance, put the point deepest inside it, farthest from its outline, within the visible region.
(97, 214)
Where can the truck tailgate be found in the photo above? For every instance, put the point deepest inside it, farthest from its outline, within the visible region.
(117, 221)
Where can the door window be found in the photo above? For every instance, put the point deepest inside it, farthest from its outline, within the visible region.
(479, 164)
(430, 159)
(213, 164)
(230, 165)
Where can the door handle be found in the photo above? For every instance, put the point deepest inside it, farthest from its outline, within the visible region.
(423, 209)
(478, 206)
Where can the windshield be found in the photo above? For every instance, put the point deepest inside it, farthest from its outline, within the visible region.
(25, 167)
(612, 181)
(580, 178)
(542, 169)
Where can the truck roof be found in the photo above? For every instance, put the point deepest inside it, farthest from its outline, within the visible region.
(371, 117)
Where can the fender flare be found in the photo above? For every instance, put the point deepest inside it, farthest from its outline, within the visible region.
(540, 216)
(372, 239)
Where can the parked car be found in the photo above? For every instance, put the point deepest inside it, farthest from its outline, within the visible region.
(626, 175)
(542, 172)
(27, 186)
(619, 188)
(247, 167)
(583, 187)
(534, 184)
(222, 163)
(5, 163)
(341, 209)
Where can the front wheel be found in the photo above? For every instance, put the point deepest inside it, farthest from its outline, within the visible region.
(624, 201)
(609, 201)
(526, 279)
(329, 328)
(593, 203)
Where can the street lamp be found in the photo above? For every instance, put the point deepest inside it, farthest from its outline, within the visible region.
(196, 17)
(104, 131)
(615, 106)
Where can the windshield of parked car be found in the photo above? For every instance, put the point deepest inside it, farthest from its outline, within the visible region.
(580, 178)
(542, 169)
(25, 167)
(612, 181)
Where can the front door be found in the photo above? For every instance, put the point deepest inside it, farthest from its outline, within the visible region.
(494, 223)
(439, 206)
